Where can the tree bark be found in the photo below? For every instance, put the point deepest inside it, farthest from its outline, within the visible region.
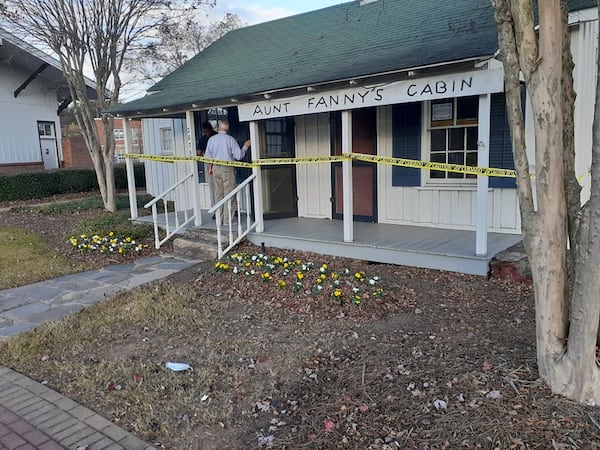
(571, 185)
(566, 337)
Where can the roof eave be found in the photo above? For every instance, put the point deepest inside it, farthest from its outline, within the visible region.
(170, 110)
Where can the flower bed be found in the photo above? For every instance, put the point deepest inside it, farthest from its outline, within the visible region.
(341, 284)
(109, 244)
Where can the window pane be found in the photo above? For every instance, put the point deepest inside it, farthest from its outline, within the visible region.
(437, 157)
(457, 139)
(456, 158)
(471, 158)
(472, 138)
(467, 108)
(166, 138)
(471, 161)
(438, 140)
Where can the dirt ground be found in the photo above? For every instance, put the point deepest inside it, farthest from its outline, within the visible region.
(440, 361)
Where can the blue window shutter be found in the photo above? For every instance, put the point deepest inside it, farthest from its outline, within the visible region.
(501, 154)
(406, 142)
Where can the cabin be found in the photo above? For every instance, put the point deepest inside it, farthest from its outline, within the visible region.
(365, 118)
(33, 93)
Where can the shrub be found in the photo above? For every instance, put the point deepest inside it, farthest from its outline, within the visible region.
(26, 186)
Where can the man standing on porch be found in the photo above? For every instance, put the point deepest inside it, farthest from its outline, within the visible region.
(224, 147)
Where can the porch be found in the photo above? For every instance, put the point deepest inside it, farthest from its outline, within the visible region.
(427, 247)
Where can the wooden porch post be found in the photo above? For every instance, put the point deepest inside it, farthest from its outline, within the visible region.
(191, 144)
(131, 189)
(483, 160)
(255, 149)
(347, 176)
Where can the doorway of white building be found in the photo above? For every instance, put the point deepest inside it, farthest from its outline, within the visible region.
(48, 144)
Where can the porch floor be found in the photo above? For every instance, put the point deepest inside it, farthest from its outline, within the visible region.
(432, 248)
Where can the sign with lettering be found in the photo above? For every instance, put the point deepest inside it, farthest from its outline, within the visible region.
(412, 90)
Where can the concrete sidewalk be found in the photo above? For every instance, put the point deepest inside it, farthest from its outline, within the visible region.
(33, 416)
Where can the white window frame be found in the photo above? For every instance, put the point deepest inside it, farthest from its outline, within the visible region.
(162, 132)
(46, 129)
(426, 178)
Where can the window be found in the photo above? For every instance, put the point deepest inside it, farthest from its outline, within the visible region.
(46, 129)
(118, 132)
(135, 136)
(166, 141)
(278, 138)
(453, 135)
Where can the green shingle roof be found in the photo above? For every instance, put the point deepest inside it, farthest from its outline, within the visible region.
(335, 43)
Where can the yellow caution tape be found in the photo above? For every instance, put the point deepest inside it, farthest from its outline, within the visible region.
(417, 164)
(172, 159)
(402, 162)
(317, 159)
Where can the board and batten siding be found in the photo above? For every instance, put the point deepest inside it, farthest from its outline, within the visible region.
(437, 206)
(314, 180)
(20, 141)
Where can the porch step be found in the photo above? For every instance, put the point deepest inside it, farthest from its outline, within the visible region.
(197, 243)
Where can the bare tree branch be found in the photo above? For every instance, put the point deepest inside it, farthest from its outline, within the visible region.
(94, 34)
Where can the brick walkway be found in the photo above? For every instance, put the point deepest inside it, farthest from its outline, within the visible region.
(33, 416)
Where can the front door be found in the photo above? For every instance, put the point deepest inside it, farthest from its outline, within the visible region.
(279, 181)
(364, 174)
(48, 146)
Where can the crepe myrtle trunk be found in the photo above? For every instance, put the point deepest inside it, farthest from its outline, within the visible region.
(567, 288)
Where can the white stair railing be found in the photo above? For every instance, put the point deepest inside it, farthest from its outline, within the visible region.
(234, 236)
(183, 191)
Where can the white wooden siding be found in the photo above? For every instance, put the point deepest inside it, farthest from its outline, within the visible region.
(159, 175)
(314, 180)
(444, 207)
(19, 116)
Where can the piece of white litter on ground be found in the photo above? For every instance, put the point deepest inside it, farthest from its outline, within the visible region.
(178, 367)
(440, 404)
(494, 394)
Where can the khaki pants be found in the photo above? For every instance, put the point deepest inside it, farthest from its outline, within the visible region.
(224, 183)
(211, 183)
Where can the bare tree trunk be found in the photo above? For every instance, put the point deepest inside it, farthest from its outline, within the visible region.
(566, 337)
(571, 186)
(583, 381)
(108, 154)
